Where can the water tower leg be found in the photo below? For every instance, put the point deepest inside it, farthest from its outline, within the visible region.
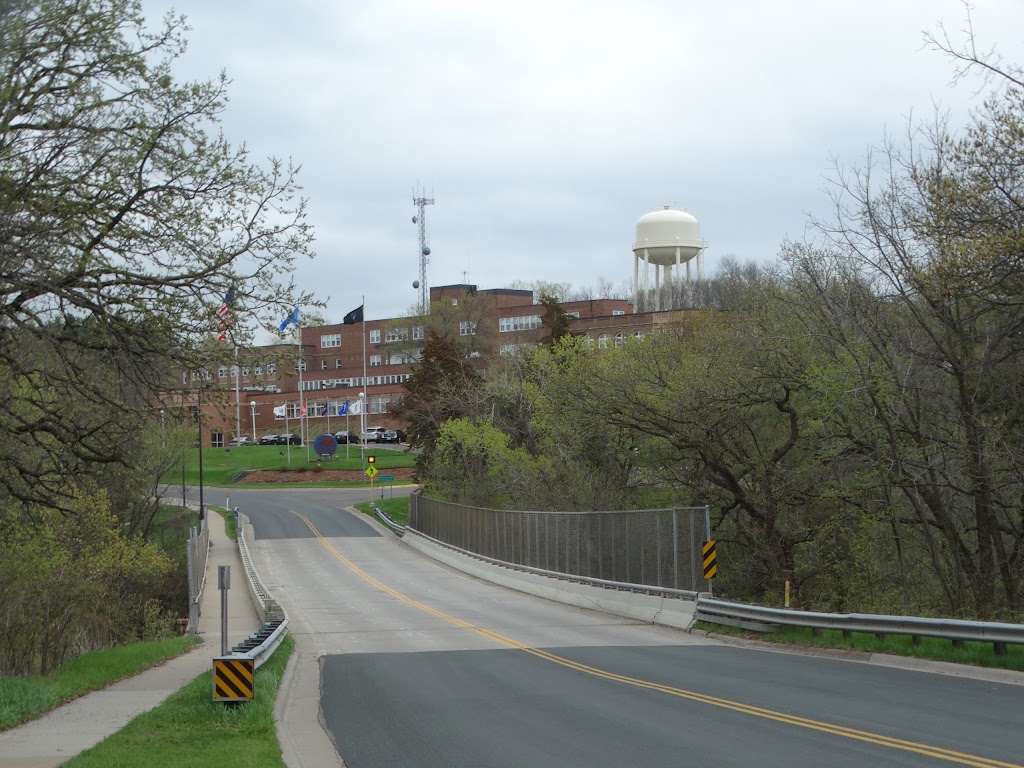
(658, 269)
(647, 280)
(636, 280)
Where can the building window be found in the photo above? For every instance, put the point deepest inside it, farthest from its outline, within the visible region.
(217, 439)
(638, 334)
(575, 313)
(337, 362)
(234, 371)
(602, 341)
(396, 334)
(455, 302)
(271, 368)
(507, 350)
(375, 337)
(323, 365)
(620, 339)
(467, 328)
(302, 364)
(618, 312)
(245, 370)
(417, 333)
(222, 371)
(258, 370)
(525, 323)
(374, 360)
(330, 340)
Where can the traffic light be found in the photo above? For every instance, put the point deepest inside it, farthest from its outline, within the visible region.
(371, 459)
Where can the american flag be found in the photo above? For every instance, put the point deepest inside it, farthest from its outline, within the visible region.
(222, 313)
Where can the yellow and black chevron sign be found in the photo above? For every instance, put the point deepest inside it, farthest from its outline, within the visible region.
(710, 559)
(233, 679)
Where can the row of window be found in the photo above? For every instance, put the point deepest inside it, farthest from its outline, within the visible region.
(355, 381)
(225, 371)
(466, 328)
(512, 324)
(331, 340)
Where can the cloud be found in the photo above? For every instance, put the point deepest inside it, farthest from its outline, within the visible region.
(543, 130)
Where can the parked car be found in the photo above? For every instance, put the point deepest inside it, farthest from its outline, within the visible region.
(393, 436)
(346, 437)
(268, 440)
(241, 441)
(373, 434)
(289, 438)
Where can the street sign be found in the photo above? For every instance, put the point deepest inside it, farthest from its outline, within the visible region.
(710, 559)
(233, 679)
(371, 471)
(387, 478)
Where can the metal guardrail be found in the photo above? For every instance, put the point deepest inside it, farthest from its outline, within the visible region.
(261, 645)
(768, 619)
(386, 519)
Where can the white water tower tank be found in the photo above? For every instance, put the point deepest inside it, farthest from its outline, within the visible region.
(661, 233)
(668, 237)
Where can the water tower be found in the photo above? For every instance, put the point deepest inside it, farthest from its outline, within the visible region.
(665, 238)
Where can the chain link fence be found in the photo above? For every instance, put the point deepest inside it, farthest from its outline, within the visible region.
(652, 547)
(197, 552)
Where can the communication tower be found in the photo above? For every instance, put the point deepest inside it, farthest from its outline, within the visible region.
(421, 202)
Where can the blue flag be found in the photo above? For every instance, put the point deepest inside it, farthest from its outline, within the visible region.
(292, 318)
(344, 409)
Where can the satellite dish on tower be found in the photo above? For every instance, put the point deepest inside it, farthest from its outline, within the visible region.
(415, 283)
(426, 250)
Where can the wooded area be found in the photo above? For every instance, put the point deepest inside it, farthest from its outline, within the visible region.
(852, 413)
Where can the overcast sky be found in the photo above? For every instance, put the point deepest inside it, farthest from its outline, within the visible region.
(544, 130)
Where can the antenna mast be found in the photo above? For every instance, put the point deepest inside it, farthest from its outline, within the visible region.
(420, 218)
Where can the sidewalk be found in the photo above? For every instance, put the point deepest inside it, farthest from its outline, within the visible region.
(84, 722)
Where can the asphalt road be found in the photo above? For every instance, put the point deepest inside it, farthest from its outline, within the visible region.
(425, 666)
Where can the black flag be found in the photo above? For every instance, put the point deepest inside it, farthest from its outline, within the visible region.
(355, 316)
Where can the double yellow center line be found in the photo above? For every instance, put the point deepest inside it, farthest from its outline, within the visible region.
(940, 753)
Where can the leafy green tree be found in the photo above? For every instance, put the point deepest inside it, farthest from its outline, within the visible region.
(914, 285)
(444, 385)
(554, 321)
(71, 583)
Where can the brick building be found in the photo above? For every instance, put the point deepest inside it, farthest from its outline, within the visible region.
(332, 359)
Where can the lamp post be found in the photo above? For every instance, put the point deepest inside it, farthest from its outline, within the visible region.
(163, 430)
(252, 404)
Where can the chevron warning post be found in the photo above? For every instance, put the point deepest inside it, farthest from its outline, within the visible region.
(710, 559)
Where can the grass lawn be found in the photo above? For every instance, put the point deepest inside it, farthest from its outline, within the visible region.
(976, 654)
(190, 729)
(396, 509)
(222, 465)
(25, 698)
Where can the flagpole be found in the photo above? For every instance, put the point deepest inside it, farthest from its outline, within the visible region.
(238, 412)
(302, 421)
(366, 388)
(287, 440)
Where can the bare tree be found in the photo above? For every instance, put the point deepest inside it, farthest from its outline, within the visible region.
(126, 223)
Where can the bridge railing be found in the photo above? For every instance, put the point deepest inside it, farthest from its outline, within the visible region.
(650, 547)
